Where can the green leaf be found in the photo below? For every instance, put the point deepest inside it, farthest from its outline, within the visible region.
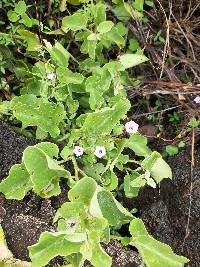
(105, 26)
(138, 144)
(80, 191)
(138, 182)
(26, 20)
(132, 60)
(69, 210)
(40, 134)
(149, 3)
(66, 152)
(158, 168)
(103, 121)
(133, 44)
(138, 4)
(32, 40)
(91, 48)
(99, 13)
(121, 28)
(193, 122)
(99, 257)
(44, 171)
(111, 181)
(121, 12)
(75, 22)
(60, 55)
(129, 190)
(33, 111)
(12, 16)
(94, 170)
(112, 210)
(171, 150)
(151, 182)
(93, 86)
(20, 7)
(49, 148)
(115, 37)
(135, 14)
(17, 184)
(153, 252)
(51, 245)
(75, 259)
(39, 69)
(66, 76)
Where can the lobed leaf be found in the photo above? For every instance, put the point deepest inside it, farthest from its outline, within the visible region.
(80, 190)
(103, 121)
(153, 252)
(33, 111)
(44, 171)
(17, 184)
(130, 190)
(112, 210)
(66, 76)
(51, 245)
(138, 144)
(99, 257)
(75, 22)
(32, 40)
(158, 168)
(132, 60)
(105, 26)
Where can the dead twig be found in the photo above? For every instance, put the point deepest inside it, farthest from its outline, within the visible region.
(187, 230)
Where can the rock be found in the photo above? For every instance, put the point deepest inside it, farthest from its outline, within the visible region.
(122, 256)
(165, 210)
(12, 144)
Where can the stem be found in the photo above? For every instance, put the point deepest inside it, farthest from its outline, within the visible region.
(134, 161)
(107, 166)
(76, 168)
(64, 137)
(64, 160)
(13, 36)
(82, 172)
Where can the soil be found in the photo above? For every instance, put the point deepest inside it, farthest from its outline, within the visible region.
(167, 211)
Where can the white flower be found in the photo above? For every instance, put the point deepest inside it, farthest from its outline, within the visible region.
(131, 127)
(197, 99)
(78, 151)
(100, 151)
(51, 76)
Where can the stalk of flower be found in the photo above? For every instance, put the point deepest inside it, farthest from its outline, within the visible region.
(78, 151)
(131, 127)
(100, 151)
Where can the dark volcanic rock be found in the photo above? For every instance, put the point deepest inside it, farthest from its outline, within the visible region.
(165, 210)
(12, 145)
(22, 221)
(123, 257)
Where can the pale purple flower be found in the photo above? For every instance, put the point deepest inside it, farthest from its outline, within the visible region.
(131, 127)
(78, 151)
(197, 99)
(51, 76)
(100, 151)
